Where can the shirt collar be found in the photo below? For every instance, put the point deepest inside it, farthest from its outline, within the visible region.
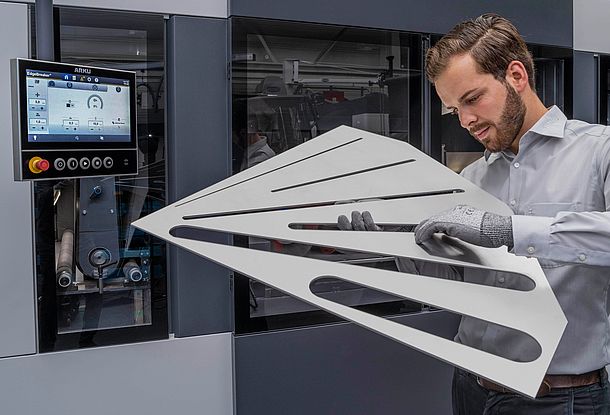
(551, 124)
(491, 157)
(254, 147)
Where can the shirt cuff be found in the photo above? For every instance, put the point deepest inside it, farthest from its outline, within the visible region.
(532, 235)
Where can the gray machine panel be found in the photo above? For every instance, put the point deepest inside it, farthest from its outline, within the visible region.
(17, 298)
(586, 87)
(199, 155)
(177, 376)
(435, 16)
(342, 369)
(591, 25)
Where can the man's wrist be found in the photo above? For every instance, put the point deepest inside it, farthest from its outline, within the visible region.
(532, 235)
(499, 229)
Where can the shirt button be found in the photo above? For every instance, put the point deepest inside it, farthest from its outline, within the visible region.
(531, 250)
(582, 257)
(501, 280)
(513, 202)
(516, 165)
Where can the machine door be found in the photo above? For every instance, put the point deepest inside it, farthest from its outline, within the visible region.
(291, 82)
(99, 280)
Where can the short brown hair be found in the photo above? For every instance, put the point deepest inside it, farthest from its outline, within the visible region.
(491, 40)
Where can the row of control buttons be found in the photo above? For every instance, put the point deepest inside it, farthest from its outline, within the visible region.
(84, 163)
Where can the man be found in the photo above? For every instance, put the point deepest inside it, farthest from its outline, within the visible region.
(257, 149)
(555, 175)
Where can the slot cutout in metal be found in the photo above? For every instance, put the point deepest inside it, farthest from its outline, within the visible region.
(340, 176)
(320, 204)
(524, 340)
(385, 227)
(428, 269)
(272, 170)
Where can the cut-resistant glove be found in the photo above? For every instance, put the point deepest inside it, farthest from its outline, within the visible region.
(469, 224)
(360, 222)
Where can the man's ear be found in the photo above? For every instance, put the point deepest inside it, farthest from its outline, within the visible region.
(516, 75)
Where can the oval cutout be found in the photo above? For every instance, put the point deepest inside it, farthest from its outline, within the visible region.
(507, 342)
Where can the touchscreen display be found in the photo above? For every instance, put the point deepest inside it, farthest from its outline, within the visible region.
(68, 108)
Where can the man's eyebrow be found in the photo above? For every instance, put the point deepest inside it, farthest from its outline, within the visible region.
(466, 94)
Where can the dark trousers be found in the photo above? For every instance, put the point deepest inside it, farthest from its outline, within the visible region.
(471, 399)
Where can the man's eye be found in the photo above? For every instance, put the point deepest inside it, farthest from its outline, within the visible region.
(473, 99)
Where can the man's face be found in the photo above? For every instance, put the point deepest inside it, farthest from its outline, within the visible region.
(491, 111)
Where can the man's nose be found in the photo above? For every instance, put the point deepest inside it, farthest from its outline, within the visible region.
(467, 119)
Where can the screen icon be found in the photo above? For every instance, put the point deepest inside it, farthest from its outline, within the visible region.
(66, 77)
(74, 77)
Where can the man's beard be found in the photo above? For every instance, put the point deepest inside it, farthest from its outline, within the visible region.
(510, 123)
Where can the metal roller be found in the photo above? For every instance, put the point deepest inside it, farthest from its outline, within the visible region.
(65, 259)
(132, 271)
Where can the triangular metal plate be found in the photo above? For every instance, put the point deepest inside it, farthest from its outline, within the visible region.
(399, 185)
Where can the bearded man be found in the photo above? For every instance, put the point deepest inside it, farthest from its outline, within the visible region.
(554, 173)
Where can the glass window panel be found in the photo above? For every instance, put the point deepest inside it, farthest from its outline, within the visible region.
(292, 82)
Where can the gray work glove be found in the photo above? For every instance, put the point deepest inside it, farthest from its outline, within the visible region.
(364, 222)
(360, 222)
(469, 224)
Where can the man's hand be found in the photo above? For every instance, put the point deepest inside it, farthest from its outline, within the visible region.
(469, 224)
(360, 222)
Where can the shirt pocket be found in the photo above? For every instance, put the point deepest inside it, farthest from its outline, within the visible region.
(551, 209)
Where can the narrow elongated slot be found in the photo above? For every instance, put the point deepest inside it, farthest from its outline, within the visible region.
(339, 176)
(385, 227)
(319, 204)
(273, 170)
(424, 268)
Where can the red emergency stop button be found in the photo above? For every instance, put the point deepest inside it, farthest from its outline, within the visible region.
(38, 165)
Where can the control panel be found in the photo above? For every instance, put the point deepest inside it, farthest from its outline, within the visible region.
(72, 121)
(78, 163)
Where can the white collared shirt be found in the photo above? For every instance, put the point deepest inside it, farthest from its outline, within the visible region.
(558, 186)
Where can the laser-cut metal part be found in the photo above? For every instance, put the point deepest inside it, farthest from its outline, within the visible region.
(342, 166)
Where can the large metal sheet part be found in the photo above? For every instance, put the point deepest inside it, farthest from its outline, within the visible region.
(312, 183)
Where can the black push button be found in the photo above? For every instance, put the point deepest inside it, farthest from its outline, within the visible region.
(96, 162)
(72, 163)
(108, 162)
(84, 163)
(59, 164)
